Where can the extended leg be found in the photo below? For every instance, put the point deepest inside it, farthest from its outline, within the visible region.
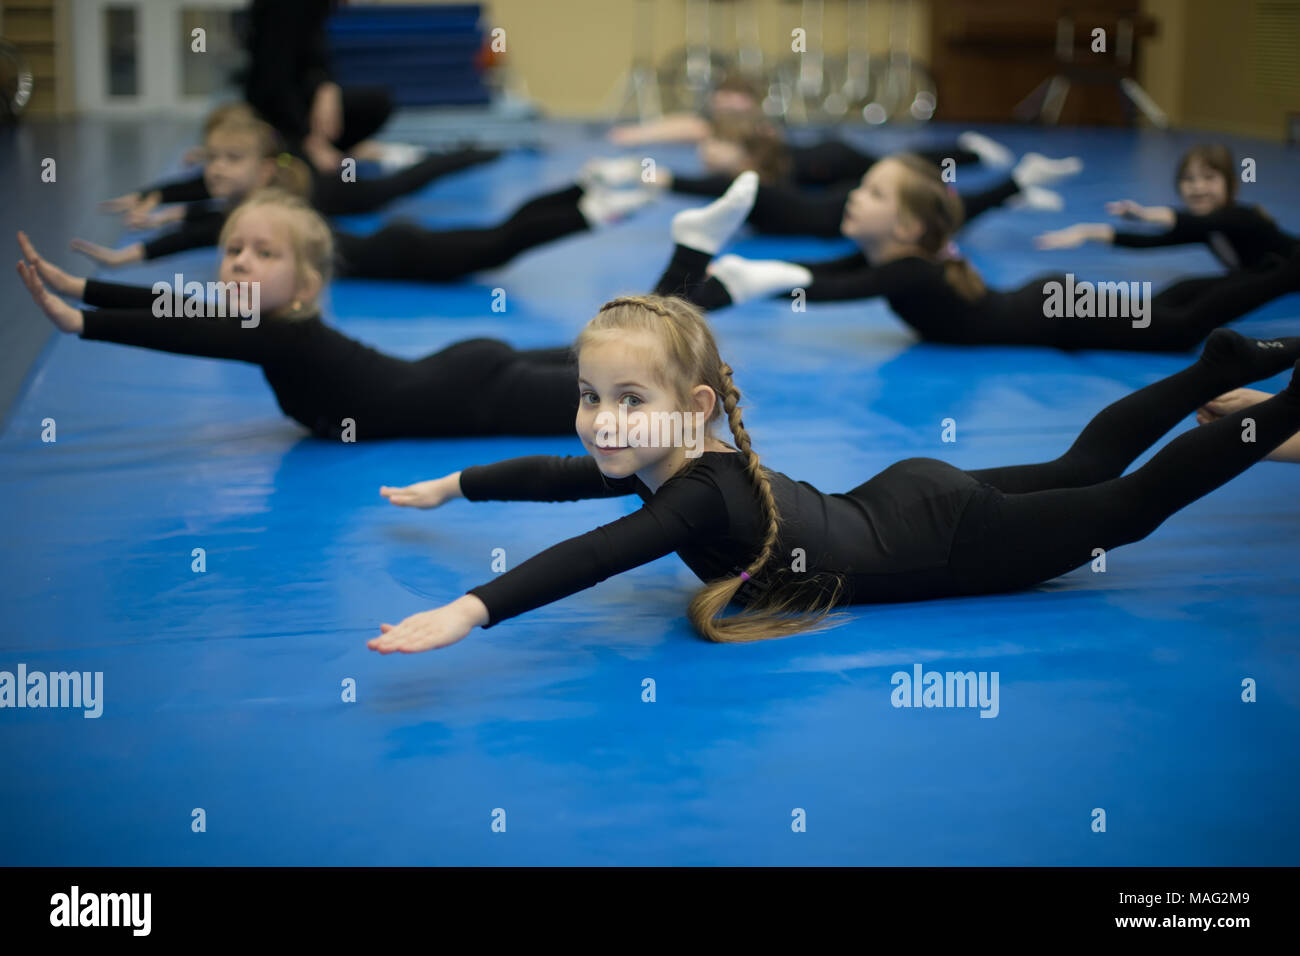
(333, 197)
(1123, 430)
(1018, 540)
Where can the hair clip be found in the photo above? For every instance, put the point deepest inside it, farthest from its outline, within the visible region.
(285, 160)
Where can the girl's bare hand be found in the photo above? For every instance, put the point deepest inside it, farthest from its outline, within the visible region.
(1229, 403)
(424, 494)
(121, 203)
(59, 312)
(425, 631)
(61, 282)
(139, 216)
(1125, 208)
(1066, 238)
(109, 257)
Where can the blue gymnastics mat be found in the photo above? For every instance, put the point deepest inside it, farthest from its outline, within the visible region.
(223, 690)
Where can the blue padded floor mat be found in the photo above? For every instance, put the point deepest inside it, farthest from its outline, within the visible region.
(222, 690)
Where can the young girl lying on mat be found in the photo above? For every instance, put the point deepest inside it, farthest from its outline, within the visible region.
(1242, 237)
(920, 529)
(244, 154)
(334, 386)
(903, 217)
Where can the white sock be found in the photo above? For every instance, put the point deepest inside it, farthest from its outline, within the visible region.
(746, 279)
(600, 206)
(395, 156)
(615, 173)
(1036, 197)
(708, 227)
(1035, 169)
(990, 152)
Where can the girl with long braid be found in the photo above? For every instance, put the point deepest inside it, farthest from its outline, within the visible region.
(920, 529)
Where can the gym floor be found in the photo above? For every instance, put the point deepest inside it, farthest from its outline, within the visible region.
(223, 690)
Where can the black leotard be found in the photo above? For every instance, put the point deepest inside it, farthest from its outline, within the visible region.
(1242, 237)
(331, 196)
(406, 250)
(321, 376)
(288, 60)
(834, 161)
(200, 228)
(1181, 315)
(891, 537)
(785, 210)
(921, 528)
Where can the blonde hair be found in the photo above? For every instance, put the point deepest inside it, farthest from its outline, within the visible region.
(924, 195)
(309, 235)
(291, 173)
(228, 112)
(688, 357)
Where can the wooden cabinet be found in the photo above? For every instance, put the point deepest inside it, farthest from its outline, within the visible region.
(988, 55)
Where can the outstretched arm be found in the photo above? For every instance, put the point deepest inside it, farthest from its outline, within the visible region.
(1128, 209)
(1076, 235)
(673, 128)
(61, 282)
(441, 627)
(680, 511)
(64, 316)
(425, 494)
(1180, 229)
(107, 256)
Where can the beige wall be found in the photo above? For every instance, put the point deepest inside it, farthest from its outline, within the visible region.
(1202, 69)
(571, 53)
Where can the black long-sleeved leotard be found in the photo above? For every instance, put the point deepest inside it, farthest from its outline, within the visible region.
(890, 538)
(200, 228)
(834, 161)
(321, 377)
(1180, 315)
(921, 528)
(288, 60)
(331, 196)
(406, 250)
(1241, 237)
(784, 209)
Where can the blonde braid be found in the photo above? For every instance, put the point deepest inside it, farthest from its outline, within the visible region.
(731, 405)
(773, 617)
(690, 358)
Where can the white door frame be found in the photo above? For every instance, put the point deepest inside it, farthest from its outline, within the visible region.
(158, 71)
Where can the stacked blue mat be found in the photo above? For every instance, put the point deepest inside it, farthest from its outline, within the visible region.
(425, 55)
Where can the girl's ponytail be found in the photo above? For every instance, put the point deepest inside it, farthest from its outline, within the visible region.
(936, 205)
(292, 175)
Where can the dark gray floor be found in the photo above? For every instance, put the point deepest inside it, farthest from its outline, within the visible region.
(94, 160)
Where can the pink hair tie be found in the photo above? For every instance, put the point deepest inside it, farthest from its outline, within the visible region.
(744, 575)
(950, 251)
